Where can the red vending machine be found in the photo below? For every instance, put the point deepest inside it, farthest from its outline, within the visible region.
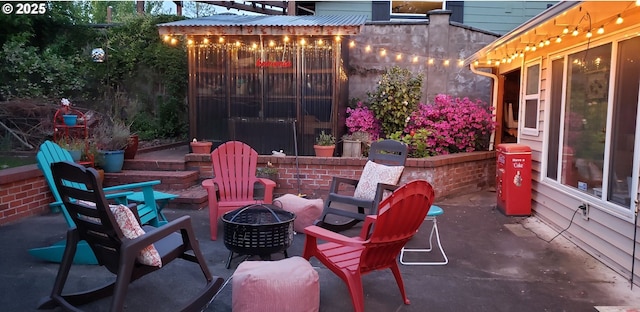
(513, 179)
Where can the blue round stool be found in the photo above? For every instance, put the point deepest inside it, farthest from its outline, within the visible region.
(434, 211)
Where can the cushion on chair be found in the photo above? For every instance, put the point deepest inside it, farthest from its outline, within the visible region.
(306, 210)
(374, 173)
(131, 229)
(290, 284)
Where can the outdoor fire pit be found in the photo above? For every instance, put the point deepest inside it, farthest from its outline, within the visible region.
(257, 230)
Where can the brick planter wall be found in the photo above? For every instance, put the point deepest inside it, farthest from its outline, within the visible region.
(23, 193)
(449, 174)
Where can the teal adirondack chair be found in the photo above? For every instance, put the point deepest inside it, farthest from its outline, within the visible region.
(148, 211)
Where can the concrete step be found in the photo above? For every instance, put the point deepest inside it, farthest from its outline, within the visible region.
(194, 197)
(154, 164)
(170, 180)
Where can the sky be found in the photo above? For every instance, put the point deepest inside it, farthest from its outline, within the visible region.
(169, 7)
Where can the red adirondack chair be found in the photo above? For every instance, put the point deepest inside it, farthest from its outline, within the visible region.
(380, 241)
(234, 170)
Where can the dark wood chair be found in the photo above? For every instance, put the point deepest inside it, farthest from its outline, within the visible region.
(381, 238)
(96, 224)
(385, 152)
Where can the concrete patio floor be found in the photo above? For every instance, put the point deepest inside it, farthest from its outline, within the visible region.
(497, 263)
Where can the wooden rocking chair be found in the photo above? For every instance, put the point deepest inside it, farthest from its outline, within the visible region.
(385, 153)
(50, 153)
(115, 244)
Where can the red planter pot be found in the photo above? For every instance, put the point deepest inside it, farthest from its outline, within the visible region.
(201, 147)
(324, 151)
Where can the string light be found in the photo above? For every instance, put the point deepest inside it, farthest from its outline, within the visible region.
(541, 44)
(367, 48)
(383, 52)
(601, 30)
(446, 63)
(547, 42)
(399, 57)
(190, 41)
(174, 41)
(430, 61)
(558, 39)
(205, 41)
(352, 44)
(619, 20)
(167, 38)
(589, 34)
(415, 59)
(575, 32)
(303, 42)
(320, 42)
(565, 30)
(527, 48)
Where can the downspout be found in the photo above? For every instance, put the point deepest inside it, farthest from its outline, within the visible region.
(494, 99)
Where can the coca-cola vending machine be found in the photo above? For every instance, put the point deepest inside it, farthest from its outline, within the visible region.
(513, 179)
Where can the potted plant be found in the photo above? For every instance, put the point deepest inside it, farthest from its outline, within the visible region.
(200, 147)
(269, 172)
(325, 145)
(352, 143)
(111, 139)
(75, 147)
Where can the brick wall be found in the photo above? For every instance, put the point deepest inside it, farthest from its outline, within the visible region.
(449, 174)
(23, 193)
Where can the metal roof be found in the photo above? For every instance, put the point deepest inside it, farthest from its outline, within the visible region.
(267, 24)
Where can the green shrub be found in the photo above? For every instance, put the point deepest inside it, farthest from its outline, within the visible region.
(396, 96)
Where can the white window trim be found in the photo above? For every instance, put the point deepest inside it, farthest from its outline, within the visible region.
(523, 102)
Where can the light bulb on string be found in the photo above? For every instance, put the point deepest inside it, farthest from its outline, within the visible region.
(415, 59)
(601, 30)
(589, 34)
(430, 61)
(558, 39)
(565, 30)
(205, 41)
(221, 39)
(541, 44)
(446, 62)
(367, 48)
(575, 32)
(619, 20)
(547, 42)
(527, 48)
(352, 44)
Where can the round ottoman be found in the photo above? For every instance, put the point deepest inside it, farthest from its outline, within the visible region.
(290, 284)
(307, 211)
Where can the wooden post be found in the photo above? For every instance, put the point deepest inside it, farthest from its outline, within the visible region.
(140, 7)
(291, 7)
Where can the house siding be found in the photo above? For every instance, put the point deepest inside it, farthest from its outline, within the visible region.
(501, 16)
(344, 8)
(608, 234)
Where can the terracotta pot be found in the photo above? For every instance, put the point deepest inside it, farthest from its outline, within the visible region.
(324, 151)
(132, 147)
(201, 147)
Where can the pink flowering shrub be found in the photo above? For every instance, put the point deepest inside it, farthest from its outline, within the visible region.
(455, 125)
(362, 119)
